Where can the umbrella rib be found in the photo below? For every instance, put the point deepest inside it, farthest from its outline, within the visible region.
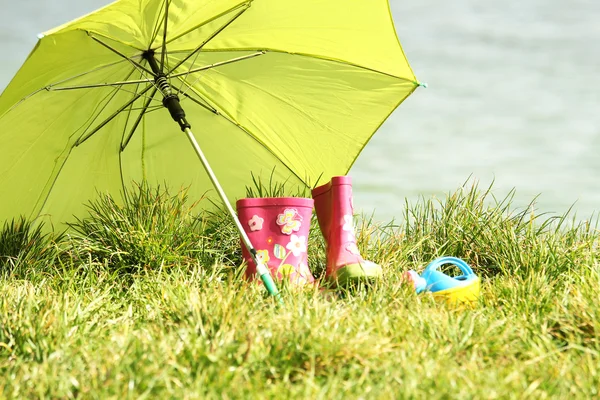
(286, 102)
(121, 172)
(129, 114)
(190, 87)
(212, 36)
(89, 33)
(152, 108)
(117, 52)
(137, 121)
(137, 65)
(21, 101)
(54, 176)
(212, 110)
(145, 97)
(157, 25)
(245, 5)
(112, 116)
(229, 119)
(51, 88)
(333, 60)
(308, 55)
(120, 154)
(247, 132)
(59, 82)
(191, 66)
(102, 85)
(164, 43)
(101, 106)
(218, 64)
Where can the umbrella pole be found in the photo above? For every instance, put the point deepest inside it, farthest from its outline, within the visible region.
(171, 103)
(261, 269)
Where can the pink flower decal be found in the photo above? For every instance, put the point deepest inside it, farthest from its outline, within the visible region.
(297, 245)
(256, 223)
(290, 221)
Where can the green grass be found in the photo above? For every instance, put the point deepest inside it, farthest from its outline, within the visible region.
(24, 246)
(129, 310)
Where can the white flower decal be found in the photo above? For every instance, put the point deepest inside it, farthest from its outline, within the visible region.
(256, 223)
(297, 245)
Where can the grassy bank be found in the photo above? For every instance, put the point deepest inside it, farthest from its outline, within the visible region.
(147, 301)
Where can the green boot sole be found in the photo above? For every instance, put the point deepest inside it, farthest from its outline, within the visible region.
(358, 273)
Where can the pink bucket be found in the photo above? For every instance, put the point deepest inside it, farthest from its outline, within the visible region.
(278, 229)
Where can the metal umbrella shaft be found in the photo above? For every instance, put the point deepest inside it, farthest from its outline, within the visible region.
(171, 102)
(261, 269)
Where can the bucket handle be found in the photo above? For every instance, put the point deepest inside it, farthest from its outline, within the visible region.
(438, 262)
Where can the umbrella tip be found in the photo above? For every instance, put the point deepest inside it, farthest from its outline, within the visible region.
(40, 35)
(423, 84)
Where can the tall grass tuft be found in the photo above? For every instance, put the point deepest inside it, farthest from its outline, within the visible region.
(24, 244)
(148, 229)
(274, 188)
(492, 235)
(220, 239)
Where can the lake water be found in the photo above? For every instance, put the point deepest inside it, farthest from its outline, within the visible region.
(512, 98)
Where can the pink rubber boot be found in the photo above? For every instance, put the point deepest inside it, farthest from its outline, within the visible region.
(333, 204)
(278, 229)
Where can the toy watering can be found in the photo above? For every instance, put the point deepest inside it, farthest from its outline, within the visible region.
(463, 289)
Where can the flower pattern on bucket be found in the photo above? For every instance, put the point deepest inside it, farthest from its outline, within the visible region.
(290, 221)
(297, 245)
(279, 251)
(262, 256)
(285, 270)
(256, 223)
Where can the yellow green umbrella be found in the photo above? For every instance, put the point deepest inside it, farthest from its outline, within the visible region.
(299, 86)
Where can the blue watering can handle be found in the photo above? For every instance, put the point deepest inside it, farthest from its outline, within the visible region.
(438, 262)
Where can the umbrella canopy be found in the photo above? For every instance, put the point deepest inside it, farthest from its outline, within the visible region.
(296, 85)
